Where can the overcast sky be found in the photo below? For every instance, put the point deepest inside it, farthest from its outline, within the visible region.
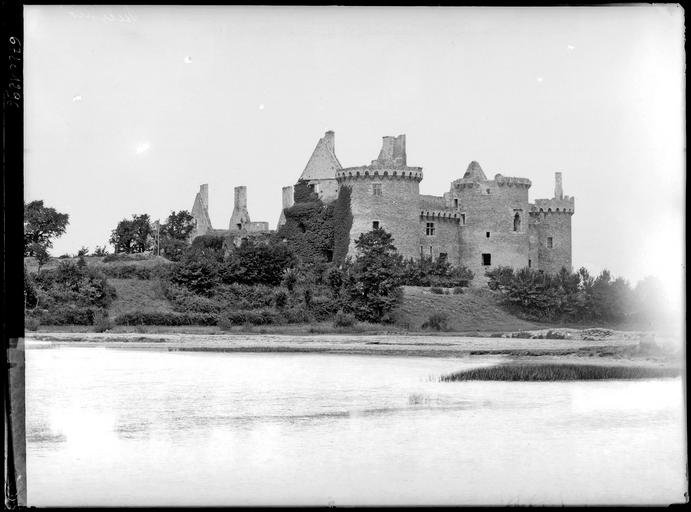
(129, 109)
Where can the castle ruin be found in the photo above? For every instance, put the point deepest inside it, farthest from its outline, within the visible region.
(480, 223)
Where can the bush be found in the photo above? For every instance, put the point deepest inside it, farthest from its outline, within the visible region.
(437, 273)
(437, 322)
(31, 323)
(323, 308)
(343, 319)
(102, 322)
(458, 290)
(124, 257)
(295, 315)
(280, 298)
(67, 314)
(436, 291)
(165, 318)
(255, 317)
(563, 296)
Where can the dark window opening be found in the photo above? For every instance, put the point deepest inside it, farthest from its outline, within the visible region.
(430, 252)
(375, 224)
(429, 230)
(455, 203)
(302, 227)
(329, 255)
(239, 226)
(442, 256)
(550, 242)
(487, 191)
(486, 259)
(517, 222)
(487, 234)
(376, 189)
(463, 218)
(530, 263)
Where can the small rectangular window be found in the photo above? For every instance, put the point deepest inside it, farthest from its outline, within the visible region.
(550, 242)
(376, 189)
(375, 224)
(486, 260)
(487, 234)
(429, 230)
(455, 203)
(463, 218)
(530, 263)
(430, 251)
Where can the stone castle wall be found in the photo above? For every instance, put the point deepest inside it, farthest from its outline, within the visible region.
(489, 210)
(394, 208)
(553, 254)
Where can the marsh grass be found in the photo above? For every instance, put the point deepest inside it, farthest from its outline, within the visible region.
(561, 372)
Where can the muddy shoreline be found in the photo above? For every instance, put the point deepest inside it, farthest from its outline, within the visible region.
(614, 348)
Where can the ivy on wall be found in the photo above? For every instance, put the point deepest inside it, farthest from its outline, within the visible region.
(343, 221)
(309, 230)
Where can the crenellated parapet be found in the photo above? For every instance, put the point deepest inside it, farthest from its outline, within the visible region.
(509, 181)
(566, 204)
(439, 215)
(380, 173)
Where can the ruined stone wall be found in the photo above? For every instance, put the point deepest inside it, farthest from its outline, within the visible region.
(396, 209)
(490, 207)
(326, 188)
(200, 212)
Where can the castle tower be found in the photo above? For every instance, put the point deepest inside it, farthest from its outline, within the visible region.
(385, 194)
(200, 212)
(287, 196)
(240, 216)
(494, 227)
(551, 219)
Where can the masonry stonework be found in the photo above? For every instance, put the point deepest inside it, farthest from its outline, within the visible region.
(479, 223)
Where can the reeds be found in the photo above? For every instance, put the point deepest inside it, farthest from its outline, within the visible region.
(561, 372)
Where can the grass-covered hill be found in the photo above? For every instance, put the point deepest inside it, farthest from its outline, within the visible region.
(138, 289)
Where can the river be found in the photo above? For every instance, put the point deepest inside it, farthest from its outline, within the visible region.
(131, 427)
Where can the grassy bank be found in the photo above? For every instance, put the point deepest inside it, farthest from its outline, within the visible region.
(527, 372)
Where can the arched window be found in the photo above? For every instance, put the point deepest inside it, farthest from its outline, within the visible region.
(517, 222)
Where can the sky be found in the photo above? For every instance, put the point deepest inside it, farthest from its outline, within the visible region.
(130, 108)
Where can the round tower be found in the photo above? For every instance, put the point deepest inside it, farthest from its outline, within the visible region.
(494, 220)
(385, 194)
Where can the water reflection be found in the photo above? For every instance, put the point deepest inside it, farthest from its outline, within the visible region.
(127, 427)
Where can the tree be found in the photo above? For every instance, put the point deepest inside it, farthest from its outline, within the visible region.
(132, 236)
(41, 225)
(372, 282)
(179, 225)
(175, 234)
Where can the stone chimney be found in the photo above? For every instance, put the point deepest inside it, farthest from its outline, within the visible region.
(287, 196)
(558, 190)
(287, 203)
(240, 215)
(392, 152)
(329, 141)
